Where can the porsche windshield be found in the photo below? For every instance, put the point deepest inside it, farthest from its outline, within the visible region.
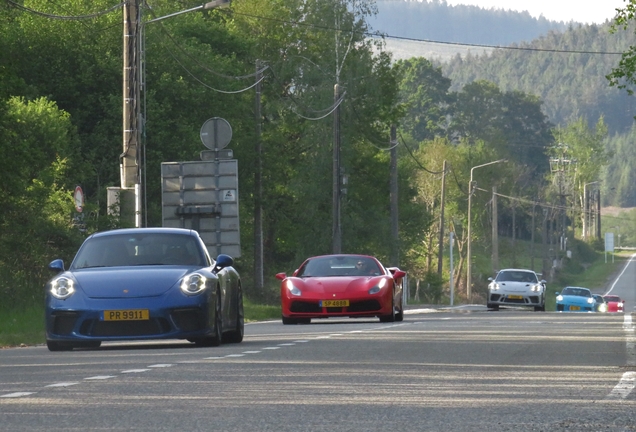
(517, 276)
(573, 291)
(139, 249)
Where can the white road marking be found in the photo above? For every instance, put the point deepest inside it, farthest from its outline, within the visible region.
(251, 352)
(630, 343)
(624, 387)
(100, 377)
(160, 365)
(621, 274)
(129, 371)
(62, 384)
(17, 394)
(271, 348)
(235, 355)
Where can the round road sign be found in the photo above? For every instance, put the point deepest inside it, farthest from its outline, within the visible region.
(216, 133)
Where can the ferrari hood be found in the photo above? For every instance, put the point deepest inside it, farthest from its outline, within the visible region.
(128, 282)
(339, 284)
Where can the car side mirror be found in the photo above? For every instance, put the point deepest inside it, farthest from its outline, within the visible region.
(57, 265)
(223, 261)
(556, 293)
(398, 274)
(281, 276)
(490, 279)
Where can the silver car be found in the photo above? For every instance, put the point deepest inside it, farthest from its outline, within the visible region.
(516, 287)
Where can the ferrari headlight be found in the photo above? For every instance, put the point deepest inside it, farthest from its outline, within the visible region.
(193, 284)
(62, 288)
(378, 287)
(292, 289)
(590, 300)
(559, 298)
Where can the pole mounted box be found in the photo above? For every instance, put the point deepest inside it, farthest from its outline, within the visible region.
(203, 196)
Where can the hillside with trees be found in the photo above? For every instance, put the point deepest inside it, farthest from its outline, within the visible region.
(439, 21)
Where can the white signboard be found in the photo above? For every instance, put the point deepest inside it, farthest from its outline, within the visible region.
(609, 242)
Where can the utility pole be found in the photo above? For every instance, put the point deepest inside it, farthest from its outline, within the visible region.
(258, 185)
(440, 253)
(394, 200)
(128, 198)
(336, 232)
(495, 232)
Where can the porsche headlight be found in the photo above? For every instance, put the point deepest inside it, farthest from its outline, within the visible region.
(590, 300)
(193, 284)
(536, 288)
(494, 286)
(62, 287)
(292, 289)
(378, 287)
(559, 298)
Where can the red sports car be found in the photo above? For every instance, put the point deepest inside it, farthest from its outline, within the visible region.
(614, 303)
(342, 286)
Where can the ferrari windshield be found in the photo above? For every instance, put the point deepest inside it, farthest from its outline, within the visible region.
(338, 265)
(610, 298)
(574, 291)
(139, 249)
(516, 276)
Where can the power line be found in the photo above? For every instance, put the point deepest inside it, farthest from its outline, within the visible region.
(66, 17)
(388, 36)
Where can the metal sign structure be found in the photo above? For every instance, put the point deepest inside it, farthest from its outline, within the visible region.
(203, 196)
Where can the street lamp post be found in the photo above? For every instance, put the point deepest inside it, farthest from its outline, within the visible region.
(468, 250)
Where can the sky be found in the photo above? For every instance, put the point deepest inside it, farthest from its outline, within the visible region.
(582, 11)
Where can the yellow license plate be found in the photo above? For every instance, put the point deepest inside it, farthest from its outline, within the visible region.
(126, 315)
(334, 303)
(515, 297)
(575, 308)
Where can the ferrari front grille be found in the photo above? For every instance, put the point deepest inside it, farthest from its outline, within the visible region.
(304, 307)
(365, 306)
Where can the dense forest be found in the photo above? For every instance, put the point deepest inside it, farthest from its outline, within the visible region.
(61, 126)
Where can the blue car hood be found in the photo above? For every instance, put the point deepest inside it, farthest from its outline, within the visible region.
(128, 282)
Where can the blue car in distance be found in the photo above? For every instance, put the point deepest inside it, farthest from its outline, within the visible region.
(575, 299)
(141, 284)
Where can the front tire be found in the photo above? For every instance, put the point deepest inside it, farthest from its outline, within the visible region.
(215, 340)
(236, 335)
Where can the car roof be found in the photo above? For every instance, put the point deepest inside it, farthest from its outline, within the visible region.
(342, 255)
(577, 287)
(516, 269)
(149, 230)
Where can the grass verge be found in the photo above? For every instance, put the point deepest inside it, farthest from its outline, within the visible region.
(25, 326)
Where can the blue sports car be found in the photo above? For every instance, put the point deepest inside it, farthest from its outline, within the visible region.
(141, 284)
(575, 299)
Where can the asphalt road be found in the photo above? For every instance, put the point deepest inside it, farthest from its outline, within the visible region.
(459, 369)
